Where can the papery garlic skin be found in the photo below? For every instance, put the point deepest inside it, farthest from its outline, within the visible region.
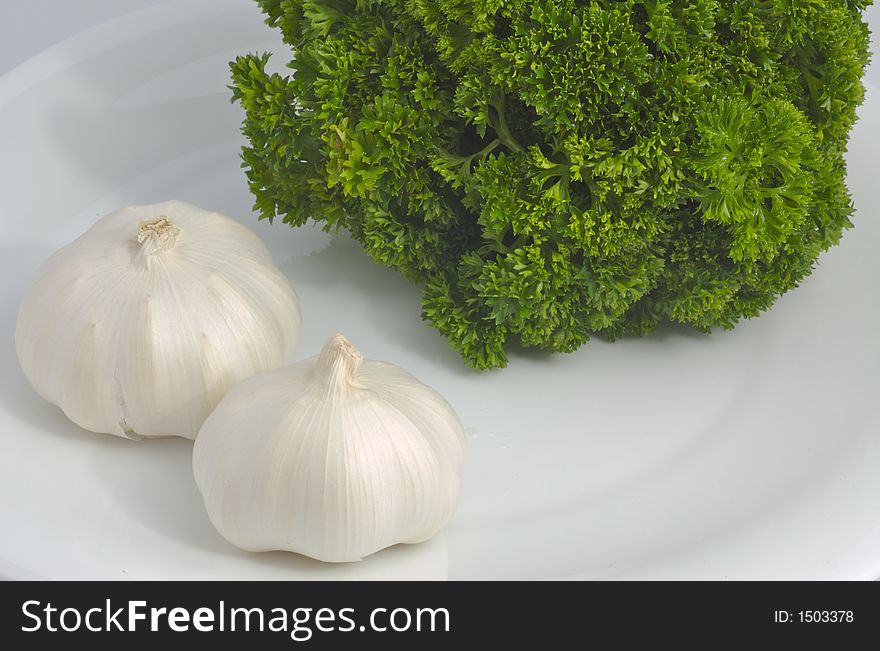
(139, 327)
(334, 457)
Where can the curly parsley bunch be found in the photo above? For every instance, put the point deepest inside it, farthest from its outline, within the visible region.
(550, 169)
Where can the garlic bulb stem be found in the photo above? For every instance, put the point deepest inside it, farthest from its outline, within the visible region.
(156, 235)
(339, 362)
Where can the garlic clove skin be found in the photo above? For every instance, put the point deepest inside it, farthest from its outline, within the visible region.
(335, 457)
(141, 325)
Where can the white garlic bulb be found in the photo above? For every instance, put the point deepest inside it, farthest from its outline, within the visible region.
(143, 323)
(333, 457)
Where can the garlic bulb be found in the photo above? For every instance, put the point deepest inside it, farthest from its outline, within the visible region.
(141, 325)
(334, 457)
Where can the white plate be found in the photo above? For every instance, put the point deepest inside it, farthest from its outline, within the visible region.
(746, 454)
